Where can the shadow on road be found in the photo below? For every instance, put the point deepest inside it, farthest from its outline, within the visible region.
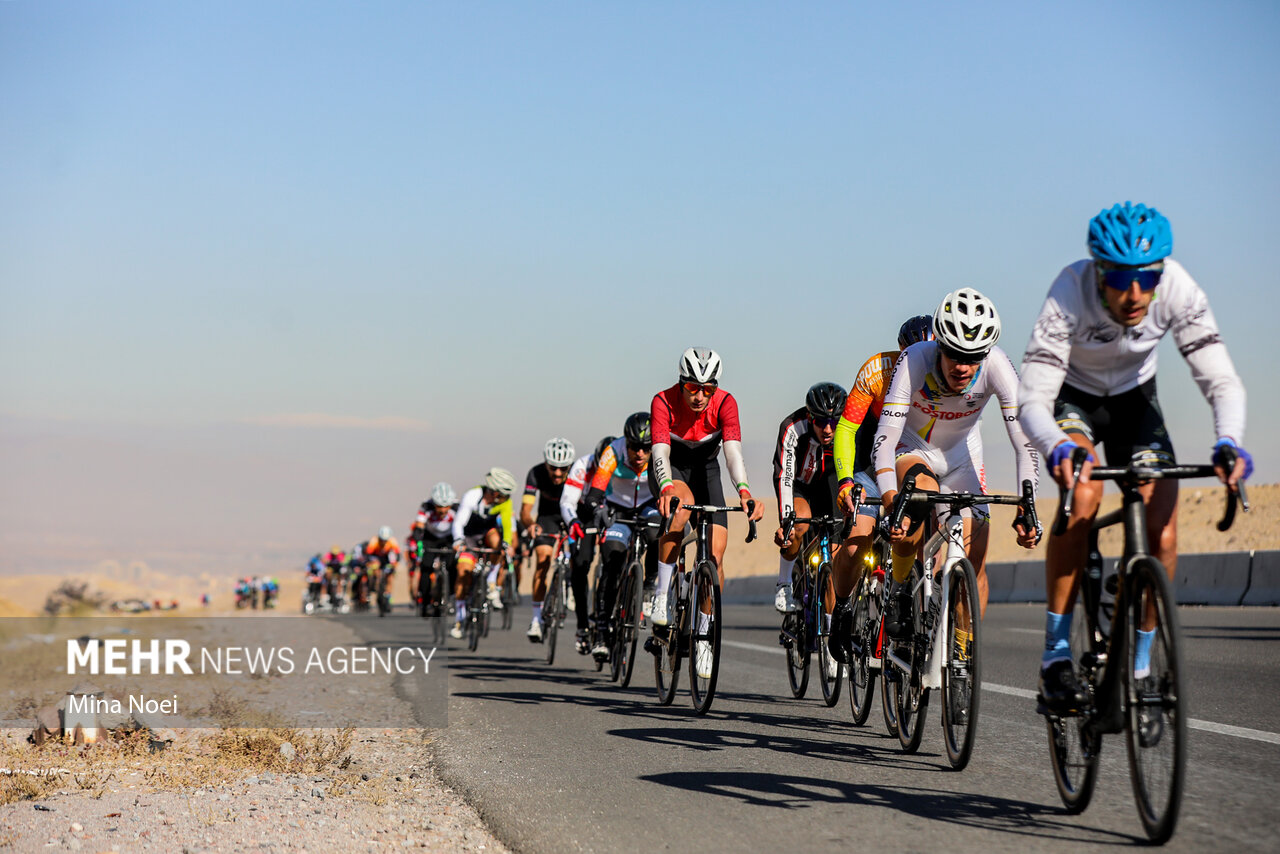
(1001, 815)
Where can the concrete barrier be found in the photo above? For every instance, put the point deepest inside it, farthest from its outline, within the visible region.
(752, 590)
(1028, 581)
(1000, 581)
(1264, 579)
(1219, 578)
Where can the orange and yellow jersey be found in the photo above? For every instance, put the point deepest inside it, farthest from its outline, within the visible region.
(387, 551)
(866, 398)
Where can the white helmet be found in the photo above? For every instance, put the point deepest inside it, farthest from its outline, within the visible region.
(442, 495)
(966, 324)
(500, 481)
(385, 532)
(700, 365)
(558, 452)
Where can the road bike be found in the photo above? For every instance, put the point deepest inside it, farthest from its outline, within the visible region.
(805, 631)
(944, 649)
(616, 622)
(1150, 705)
(478, 612)
(509, 595)
(433, 585)
(866, 641)
(555, 606)
(694, 630)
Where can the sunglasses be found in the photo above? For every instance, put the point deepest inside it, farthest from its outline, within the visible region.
(825, 423)
(558, 469)
(693, 388)
(636, 448)
(961, 358)
(1122, 278)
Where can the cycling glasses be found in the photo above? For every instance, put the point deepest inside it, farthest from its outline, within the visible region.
(961, 358)
(825, 423)
(635, 447)
(706, 388)
(1122, 278)
(557, 469)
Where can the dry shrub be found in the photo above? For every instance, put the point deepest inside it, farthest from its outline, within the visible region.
(74, 598)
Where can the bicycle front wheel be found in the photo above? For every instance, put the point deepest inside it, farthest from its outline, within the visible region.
(830, 671)
(913, 697)
(962, 667)
(1073, 749)
(704, 632)
(626, 621)
(1155, 699)
(862, 682)
(551, 613)
(666, 660)
(796, 636)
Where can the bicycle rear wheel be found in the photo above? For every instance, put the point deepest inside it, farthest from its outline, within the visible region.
(508, 604)
(1156, 725)
(830, 671)
(551, 613)
(962, 667)
(862, 679)
(796, 635)
(913, 697)
(1073, 750)
(473, 625)
(626, 620)
(704, 650)
(666, 663)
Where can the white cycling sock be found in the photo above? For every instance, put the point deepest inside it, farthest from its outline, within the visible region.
(537, 612)
(704, 622)
(785, 566)
(664, 575)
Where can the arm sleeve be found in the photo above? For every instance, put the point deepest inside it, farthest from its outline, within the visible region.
(1028, 461)
(506, 516)
(1044, 366)
(604, 474)
(660, 427)
(573, 491)
(784, 467)
(463, 516)
(1195, 331)
(731, 429)
(897, 403)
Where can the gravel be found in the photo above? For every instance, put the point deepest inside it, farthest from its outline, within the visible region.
(387, 798)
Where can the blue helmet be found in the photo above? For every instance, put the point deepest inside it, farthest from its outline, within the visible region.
(1130, 235)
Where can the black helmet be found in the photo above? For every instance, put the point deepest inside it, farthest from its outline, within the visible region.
(914, 330)
(604, 443)
(825, 400)
(637, 429)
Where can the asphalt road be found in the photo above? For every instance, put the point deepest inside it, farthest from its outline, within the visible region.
(559, 759)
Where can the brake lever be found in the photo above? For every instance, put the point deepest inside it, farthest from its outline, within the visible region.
(1030, 518)
(1229, 457)
(751, 523)
(900, 505)
(1078, 457)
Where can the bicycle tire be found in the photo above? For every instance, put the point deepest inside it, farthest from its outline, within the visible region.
(473, 629)
(862, 679)
(666, 664)
(508, 618)
(823, 590)
(1155, 706)
(706, 586)
(961, 669)
(550, 615)
(913, 697)
(626, 624)
(795, 625)
(1073, 749)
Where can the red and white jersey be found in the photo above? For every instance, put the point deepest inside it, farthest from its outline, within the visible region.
(436, 526)
(682, 436)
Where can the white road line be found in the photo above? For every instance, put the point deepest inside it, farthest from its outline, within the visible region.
(1023, 693)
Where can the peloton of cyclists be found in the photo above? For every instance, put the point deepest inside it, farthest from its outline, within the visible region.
(1089, 378)
(542, 489)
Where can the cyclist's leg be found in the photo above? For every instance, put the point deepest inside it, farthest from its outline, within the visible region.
(580, 562)
(905, 550)
(966, 474)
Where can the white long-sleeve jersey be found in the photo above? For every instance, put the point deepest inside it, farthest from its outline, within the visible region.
(1076, 340)
(920, 404)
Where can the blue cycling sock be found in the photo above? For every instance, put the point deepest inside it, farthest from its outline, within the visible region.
(1057, 638)
(1142, 653)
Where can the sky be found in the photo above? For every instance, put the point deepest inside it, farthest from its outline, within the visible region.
(268, 271)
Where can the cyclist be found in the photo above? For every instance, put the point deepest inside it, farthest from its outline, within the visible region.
(433, 529)
(620, 487)
(929, 428)
(582, 549)
(690, 421)
(1089, 378)
(804, 475)
(543, 487)
(335, 562)
(484, 518)
(852, 452)
(386, 551)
